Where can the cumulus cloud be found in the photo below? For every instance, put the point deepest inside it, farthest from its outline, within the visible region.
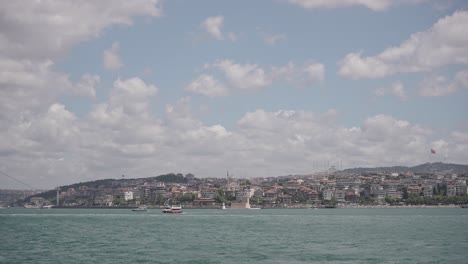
(121, 135)
(438, 85)
(244, 76)
(30, 86)
(112, 141)
(214, 27)
(253, 77)
(36, 128)
(396, 89)
(48, 29)
(375, 5)
(315, 72)
(111, 57)
(300, 75)
(272, 39)
(34, 35)
(301, 137)
(445, 43)
(207, 85)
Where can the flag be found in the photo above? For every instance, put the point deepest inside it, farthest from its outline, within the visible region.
(433, 151)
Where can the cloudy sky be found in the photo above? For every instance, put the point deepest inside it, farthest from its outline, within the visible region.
(100, 89)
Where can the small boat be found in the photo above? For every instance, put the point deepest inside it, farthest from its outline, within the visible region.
(140, 209)
(47, 206)
(464, 206)
(30, 206)
(172, 209)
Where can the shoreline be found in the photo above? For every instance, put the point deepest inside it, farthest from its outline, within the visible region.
(264, 208)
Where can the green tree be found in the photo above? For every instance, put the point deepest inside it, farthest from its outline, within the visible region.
(119, 201)
(405, 193)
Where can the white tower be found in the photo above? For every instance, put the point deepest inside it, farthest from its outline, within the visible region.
(58, 196)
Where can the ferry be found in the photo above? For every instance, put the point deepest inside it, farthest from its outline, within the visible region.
(140, 209)
(172, 209)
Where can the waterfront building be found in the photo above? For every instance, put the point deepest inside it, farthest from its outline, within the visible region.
(327, 194)
(381, 196)
(208, 192)
(128, 195)
(374, 189)
(414, 190)
(339, 195)
(247, 192)
(351, 195)
(393, 193)
(428, 191)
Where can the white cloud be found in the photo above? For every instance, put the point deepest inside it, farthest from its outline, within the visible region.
(122, 135)
(112, 141)
(272, 39)
(315, 72)
(87, 85)
(36, 128)
(376, 5)
(31, 86)
(253, 77)
(396, 89)
(41, 30)
(232, 36)
(213, 25)
(132, 95)
(34, 35)
(244, 76)
(438, 85)
(111, 58)
(300, 75)
(445, 43)
(207, 85)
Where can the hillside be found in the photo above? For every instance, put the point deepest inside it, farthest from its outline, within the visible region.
(436, 167)
(114, 183)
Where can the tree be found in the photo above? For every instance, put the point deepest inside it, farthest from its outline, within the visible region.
(405, 193)
(119, 201)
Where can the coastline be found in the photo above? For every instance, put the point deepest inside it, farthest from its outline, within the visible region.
(286, 207)
(398, 206)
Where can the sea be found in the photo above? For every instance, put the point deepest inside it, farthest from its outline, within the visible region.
(367, 235)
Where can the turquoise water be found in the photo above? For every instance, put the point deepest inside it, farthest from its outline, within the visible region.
(235, 236)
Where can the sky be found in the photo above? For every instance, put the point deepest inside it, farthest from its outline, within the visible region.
(109, 89)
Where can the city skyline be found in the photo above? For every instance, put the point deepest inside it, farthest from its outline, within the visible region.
(92, 90)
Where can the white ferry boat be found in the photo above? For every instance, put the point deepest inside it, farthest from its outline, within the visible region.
(140, 209)
(172, 209)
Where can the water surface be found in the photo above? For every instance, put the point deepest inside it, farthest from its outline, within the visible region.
(407, 235)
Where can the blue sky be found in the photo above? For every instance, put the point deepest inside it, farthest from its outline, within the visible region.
(264, 87)
(174, 47)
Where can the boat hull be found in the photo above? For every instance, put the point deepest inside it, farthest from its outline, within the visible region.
(172, 212)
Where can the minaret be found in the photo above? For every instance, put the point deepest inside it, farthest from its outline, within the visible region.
(58, 196)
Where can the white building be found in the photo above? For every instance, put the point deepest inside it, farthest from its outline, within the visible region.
(428, 191)
(246, 193)
(208, 193)
(328, 194)
(128, 195)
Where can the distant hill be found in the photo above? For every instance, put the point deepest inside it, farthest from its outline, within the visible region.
(114, 183)
(436, 167)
